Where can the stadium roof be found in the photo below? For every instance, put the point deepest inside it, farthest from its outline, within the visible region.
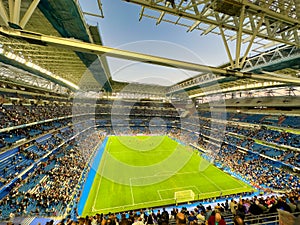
(60, 18)
(76, 59)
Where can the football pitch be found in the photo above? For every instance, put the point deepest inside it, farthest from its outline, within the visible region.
(146, 171)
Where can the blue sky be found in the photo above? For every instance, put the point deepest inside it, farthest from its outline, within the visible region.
(121, 28)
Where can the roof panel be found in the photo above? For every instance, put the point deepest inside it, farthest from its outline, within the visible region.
(61, 18)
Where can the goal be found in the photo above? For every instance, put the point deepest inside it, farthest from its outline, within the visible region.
(184, 196)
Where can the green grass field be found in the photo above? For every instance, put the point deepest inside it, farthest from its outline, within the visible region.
(140, 172)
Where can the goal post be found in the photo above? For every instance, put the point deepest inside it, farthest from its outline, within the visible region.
(184, 196)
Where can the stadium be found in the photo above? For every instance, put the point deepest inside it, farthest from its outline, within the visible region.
(192, 118)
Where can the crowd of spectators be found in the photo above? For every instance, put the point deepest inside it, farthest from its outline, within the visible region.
(281, 120)
(50, 188)
(237, 211)
(25, 153)
(18, 114)
(266, 134)
(253, 139)
(260, 172)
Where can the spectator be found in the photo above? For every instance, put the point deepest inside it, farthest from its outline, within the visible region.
(201, 218)
(237, 220)
(150, 219)
(165, 216)
(138, 221)
(233, 206)
(180, 219)
(192, 219)
(216, 218)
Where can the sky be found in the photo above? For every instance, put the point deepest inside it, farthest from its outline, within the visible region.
(120, 28)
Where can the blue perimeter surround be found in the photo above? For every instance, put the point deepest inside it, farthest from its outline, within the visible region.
(91, 176)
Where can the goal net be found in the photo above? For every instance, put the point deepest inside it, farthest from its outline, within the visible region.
(184, 196)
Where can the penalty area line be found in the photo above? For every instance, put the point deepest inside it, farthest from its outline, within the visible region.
(132, 197)
(159, 195)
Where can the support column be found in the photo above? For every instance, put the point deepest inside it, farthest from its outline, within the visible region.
(297, 5)
(251, 41)
(29, 13)
(16, 14)
(239, 38)
(11, 9)
(3, 13)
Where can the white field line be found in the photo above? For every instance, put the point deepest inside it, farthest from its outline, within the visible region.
(211, 181)
(184, 188)
(217, 192)
(132, 197)
(159, 195)
(128, 205)
(240, 182)
(163, 174)
(198, 189)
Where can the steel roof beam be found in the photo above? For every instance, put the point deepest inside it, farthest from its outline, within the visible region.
(242, 87)
(256, 8)
(16, 15)
(288, 24)
(58, 60)
(29, 13)
(297, 5)
(12, 17)
(3, 13)
(75, 45)
(239, 38)
(11, 9)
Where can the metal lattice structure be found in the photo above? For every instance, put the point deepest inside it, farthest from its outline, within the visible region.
(260, 24)
(12, 74)
(282, 62)
(254, 26)
(287, 56)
